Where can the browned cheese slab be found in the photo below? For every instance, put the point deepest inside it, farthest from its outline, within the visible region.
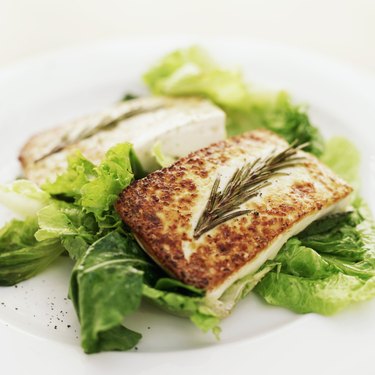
(163, 209)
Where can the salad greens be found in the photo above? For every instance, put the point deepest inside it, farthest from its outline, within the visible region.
(192, 72)
(179, 299)
(323, 269)
(326, 267)
(345, 165)
(23, 198)
(75, 213)
(111, 274)
(21, 255)
(68, 214)
(95, 188)
(117, 264)
(161, 158)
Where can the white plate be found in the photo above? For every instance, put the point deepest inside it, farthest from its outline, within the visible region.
(39, 331)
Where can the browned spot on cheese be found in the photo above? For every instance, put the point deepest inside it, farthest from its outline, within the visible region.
(304, 188)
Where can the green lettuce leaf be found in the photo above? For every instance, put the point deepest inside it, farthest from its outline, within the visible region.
(117, 264)
(193, 307)
(277, 113)
(96, 188)
(21, 255)
(89, 191)
(336, 235)
(343, 158)
(191, 71)
(72, 212)
(69, 184)
(68, 223)
(327, 267)
(183, 300)
(112, 176)
(60, 219)
(240, 289)
(161, 158)
(23, 198)
(325, 296)
(136, 165)
(106, 286)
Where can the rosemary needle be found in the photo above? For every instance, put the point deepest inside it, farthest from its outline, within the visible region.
(245, 183)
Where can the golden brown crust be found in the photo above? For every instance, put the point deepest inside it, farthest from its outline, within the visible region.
(162, 208)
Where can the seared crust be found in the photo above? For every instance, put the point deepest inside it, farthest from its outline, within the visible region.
(163, 208)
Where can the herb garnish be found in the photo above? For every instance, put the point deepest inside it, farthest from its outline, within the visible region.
(245, 183)
(87, 127)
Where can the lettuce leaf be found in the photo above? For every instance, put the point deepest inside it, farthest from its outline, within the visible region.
(117, 264)
(161, 158)
(21, 255)
(136, 165)
(343, 158)
(277, 113)
(240, 289)
(113, 174)
(68, 223)
(191, 71)
(325, 296)
(114, 264)
(192, 307)
(327, 267)
(60, 219)
(95, 189)
(72, 212)
(23, 197)
(69, 184)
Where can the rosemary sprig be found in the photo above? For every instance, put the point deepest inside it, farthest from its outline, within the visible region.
(89, 126)
(245, 183)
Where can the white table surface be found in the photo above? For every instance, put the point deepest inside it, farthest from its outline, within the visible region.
(342, 29)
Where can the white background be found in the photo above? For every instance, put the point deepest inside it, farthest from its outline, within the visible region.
(343, 29)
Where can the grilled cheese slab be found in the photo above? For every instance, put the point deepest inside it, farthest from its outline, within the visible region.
(163, 210)
(143, 122)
